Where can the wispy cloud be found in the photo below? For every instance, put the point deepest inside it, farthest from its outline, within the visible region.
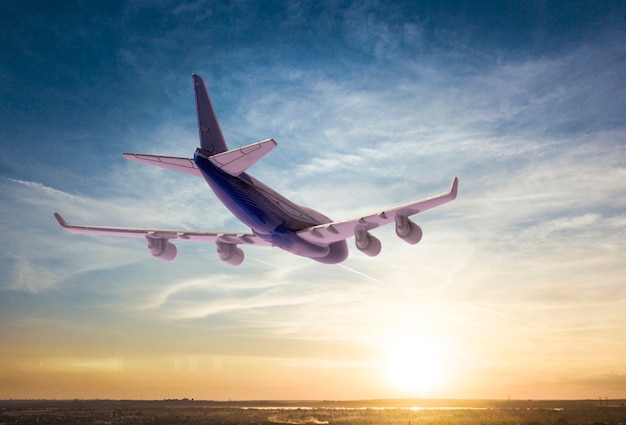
(372, 106)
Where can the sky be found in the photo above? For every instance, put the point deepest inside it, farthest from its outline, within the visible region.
(517, 289)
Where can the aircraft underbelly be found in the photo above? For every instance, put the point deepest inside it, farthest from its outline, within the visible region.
(244, 203)
(255, 210)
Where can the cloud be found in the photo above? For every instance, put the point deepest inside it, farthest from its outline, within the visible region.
(39, 256)
(383, 106)
(609, 382)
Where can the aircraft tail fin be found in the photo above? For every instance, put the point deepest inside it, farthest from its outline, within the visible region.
(211, 138)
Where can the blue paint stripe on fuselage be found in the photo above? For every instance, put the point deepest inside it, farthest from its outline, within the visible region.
(263, 213)
(251, 206)
(240, 197)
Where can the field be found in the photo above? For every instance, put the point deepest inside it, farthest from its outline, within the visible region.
(411, 412)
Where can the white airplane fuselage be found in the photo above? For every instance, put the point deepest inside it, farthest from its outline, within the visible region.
(273, 219)
(271, 216)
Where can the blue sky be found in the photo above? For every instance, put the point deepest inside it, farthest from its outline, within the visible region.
(517, 288)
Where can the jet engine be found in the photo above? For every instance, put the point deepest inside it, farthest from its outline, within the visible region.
(407, 230)
(161, 248)
(229, 253)
(367, 243)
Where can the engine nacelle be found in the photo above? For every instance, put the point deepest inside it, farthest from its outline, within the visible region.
(366, 243)
(229, 253)
(162, 248)
(407, 230)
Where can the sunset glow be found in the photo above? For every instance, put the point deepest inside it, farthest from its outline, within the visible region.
(516, 290)
(415, 366)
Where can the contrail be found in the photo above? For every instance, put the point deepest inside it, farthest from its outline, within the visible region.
(517, 319)
(340, 265)
(265, 262)
(361, 274)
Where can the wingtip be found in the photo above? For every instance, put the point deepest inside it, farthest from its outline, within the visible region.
(60, 219)
(454, 188)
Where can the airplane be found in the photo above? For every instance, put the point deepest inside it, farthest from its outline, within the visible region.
(274, 220)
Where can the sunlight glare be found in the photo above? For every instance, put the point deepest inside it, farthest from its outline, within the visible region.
(414, 365)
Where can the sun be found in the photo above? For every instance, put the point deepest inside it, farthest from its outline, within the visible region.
(414, 365)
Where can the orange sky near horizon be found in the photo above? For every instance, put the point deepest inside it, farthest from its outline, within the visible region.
(517, 289)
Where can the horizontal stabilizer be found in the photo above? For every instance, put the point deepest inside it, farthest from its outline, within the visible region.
(236, 161)
(233, 162)
(184, 165)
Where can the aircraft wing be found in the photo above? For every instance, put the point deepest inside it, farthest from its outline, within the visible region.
(233, 162)
(337, 231)
(189, 235)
